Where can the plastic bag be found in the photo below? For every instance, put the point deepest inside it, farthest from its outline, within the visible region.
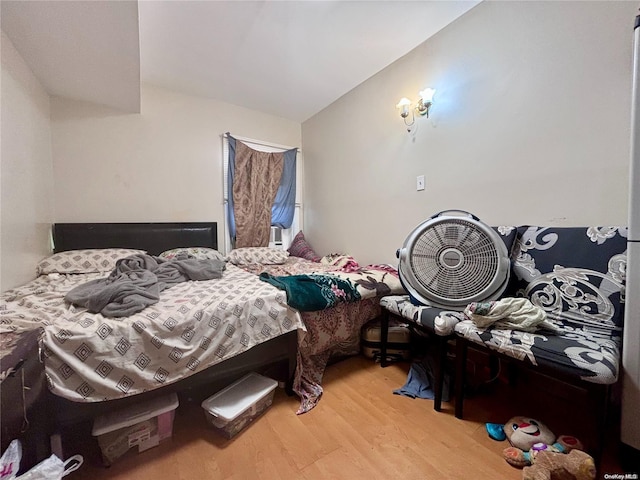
(10, 461)
(52, 468)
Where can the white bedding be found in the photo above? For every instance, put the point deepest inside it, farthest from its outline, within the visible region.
(90, 358)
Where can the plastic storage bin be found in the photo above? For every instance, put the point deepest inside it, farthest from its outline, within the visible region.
(398, 340)
(234, 407)
(143, 425)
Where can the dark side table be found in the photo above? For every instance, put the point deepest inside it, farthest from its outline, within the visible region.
(23, 387)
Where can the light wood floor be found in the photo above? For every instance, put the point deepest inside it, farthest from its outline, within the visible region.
(359, 430)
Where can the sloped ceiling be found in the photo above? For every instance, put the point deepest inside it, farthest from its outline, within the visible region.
(290, 59)
(83, 50)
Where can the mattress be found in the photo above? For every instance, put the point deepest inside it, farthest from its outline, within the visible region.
(196, 324)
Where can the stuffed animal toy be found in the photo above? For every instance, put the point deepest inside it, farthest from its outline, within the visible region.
(519, 458)
(550, 465)
(543, 456)
(522, 432)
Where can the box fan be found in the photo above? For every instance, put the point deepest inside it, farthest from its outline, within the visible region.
(449, 261)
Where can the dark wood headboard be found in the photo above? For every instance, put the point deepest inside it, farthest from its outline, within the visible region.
(155, 237)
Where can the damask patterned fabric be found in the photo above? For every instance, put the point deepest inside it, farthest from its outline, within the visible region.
(255, 185)
(438, 320)
(333, 331)
(90, 358)
(577, 276)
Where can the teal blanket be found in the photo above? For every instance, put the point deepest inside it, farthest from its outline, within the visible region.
(308, 293)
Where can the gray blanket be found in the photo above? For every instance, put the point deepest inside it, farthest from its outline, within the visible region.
(136, 282)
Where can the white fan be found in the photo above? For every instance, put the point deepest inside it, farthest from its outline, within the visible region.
(449, 261)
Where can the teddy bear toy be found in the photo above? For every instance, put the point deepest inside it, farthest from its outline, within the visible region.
(550, 465)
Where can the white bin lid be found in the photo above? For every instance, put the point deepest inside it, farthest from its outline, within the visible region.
(231, 401)
(133, 414)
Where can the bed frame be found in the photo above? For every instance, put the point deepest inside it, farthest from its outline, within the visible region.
(155, 238)
(276, 357)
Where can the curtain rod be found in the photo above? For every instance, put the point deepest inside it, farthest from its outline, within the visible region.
(260, 142)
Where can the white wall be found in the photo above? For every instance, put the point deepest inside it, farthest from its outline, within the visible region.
(530, 125)
(26, 207)
(164, 164)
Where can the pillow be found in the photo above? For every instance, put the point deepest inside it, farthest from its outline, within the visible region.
(200, 253)
(300, 248)
(264, 255)
(91, 260)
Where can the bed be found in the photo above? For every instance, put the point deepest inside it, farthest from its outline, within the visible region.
(332, 332)
(95, 364)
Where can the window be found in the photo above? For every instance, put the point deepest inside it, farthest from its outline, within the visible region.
(280, 238)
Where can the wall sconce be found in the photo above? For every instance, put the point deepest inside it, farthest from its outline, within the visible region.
(423, 106)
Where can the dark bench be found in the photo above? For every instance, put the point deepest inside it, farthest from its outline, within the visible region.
(577, 276)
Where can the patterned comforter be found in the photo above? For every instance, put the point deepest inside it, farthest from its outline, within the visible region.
(318, 291)
(333, 331)
(90, 358)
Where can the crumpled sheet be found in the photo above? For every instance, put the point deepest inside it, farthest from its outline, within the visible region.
(510, 314)
(136, 282)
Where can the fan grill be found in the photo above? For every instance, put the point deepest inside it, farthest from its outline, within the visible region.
(455, 259)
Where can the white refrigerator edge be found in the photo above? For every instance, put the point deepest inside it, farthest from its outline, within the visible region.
(630, 415)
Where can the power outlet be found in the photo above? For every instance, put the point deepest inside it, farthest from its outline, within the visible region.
(420, 182)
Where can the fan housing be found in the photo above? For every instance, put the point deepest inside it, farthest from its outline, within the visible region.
(449, 261)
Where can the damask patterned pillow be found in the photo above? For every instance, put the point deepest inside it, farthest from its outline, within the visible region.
(200, 253)
(264, 255)
(93, 260)
(301, 248)
(508, 235)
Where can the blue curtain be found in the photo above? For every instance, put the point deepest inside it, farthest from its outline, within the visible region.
(284, 205)
(230, 172)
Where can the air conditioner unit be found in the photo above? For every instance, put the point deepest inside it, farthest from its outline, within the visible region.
(275, 239)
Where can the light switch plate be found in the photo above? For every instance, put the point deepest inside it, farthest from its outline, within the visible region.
(420, 182)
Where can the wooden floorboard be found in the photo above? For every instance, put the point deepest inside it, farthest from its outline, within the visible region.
(359, 430)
